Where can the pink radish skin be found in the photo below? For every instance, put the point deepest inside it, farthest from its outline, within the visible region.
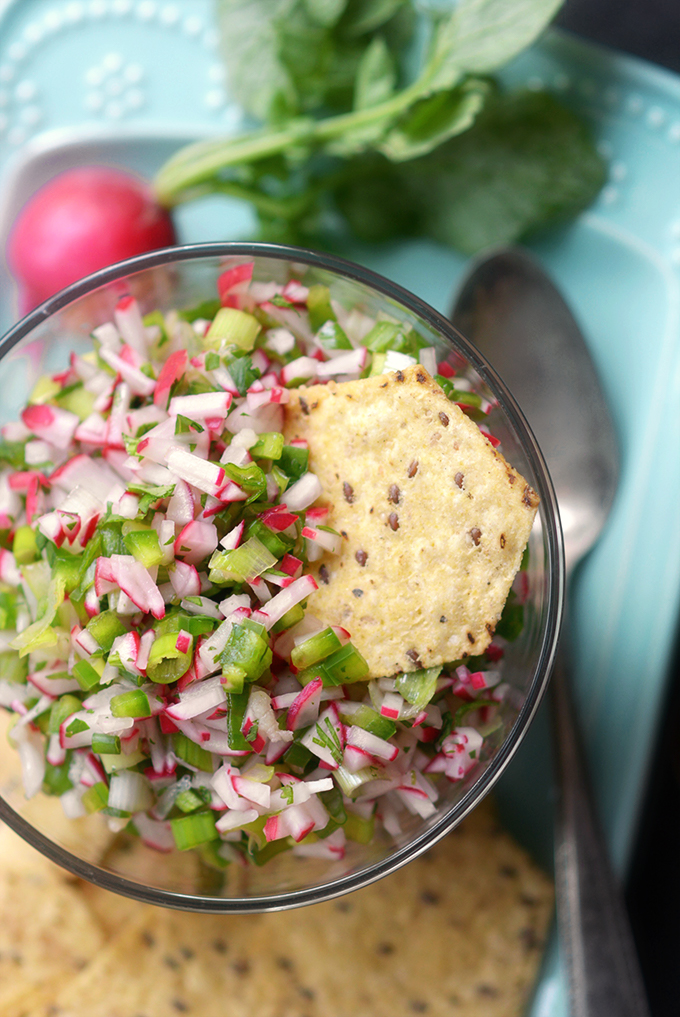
(304, 710)
(82, 220)
(172, 370)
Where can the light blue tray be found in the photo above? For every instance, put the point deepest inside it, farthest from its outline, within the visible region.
(127, 81)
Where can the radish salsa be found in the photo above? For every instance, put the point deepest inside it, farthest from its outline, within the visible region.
(155, 650)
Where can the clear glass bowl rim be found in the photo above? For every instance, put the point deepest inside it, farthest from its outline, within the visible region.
(554, 564)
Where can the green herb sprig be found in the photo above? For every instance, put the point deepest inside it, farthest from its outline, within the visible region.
(362, 138)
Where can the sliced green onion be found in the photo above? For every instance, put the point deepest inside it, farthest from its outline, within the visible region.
(236, 708)
(106, 627)
(191, 753)
(134, 703)
(105, 744)
(298, 757)
(274, 542)
(232, 327)
(144, 546)
(359, 829)
(24, 545)
(189, 831)
(96, 797)
(269, 445)
(85, 674)
(56, 780)
(166, 663)
(370, 720)
(351, 782)
(319, 306)
(188, 801)
(418, 687)
(61, 709)
(316, 648)
(332, 337)
(248, 650)
(243, 564)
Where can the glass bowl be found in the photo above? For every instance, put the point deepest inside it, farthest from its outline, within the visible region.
(185, 276)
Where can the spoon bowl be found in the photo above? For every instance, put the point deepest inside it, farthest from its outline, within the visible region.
(517, 318)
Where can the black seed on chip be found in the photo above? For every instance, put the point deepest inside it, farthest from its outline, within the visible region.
(358, 593)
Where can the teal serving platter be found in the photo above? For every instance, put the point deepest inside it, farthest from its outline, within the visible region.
(128, 81)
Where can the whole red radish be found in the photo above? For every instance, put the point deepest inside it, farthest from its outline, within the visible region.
(82, 220)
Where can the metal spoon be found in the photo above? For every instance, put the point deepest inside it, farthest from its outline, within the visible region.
(514, 314)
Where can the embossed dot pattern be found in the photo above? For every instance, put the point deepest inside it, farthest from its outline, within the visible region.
(118, 85)
(114, 85)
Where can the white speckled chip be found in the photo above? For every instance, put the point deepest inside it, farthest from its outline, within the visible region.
(434, 521)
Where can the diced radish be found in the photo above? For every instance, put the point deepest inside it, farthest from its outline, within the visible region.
(304, 710)
(277, 519)
(154, 833)
(205, 475)
(391, 705)
(282, 602)
(235, 820)
(304, 368)
(428, 358)
(197, 541)
(253, 790)
(173, 369)
(9, 571)
(185, 580)
(134, 580)
(371, 743)
(181, 506)
(140, 383)
(254, 400)
(51, 423)
(234, 280)
(206, 405)
(346, 363)
(295, 821)
(232, 539)
(198, 698)
(331, 542)
(302, 493)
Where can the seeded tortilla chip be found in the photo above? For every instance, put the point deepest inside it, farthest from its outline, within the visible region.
(47, 932)
(458, 931)
(434, 520)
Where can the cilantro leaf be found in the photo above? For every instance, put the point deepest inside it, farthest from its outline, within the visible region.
(243, 374)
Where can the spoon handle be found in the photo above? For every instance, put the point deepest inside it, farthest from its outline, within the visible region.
(602, 965)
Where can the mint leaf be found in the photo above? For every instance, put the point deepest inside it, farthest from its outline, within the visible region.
(479, 36)
(528, 162)
(258, 77)
(325, 12)
(365, 16)
(376, 75)
(435, 119)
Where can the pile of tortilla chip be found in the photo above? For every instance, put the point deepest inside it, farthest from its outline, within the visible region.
(459, 931)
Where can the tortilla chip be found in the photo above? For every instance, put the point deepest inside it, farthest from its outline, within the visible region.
(434, 521)
(47, 932)
(459, 931)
